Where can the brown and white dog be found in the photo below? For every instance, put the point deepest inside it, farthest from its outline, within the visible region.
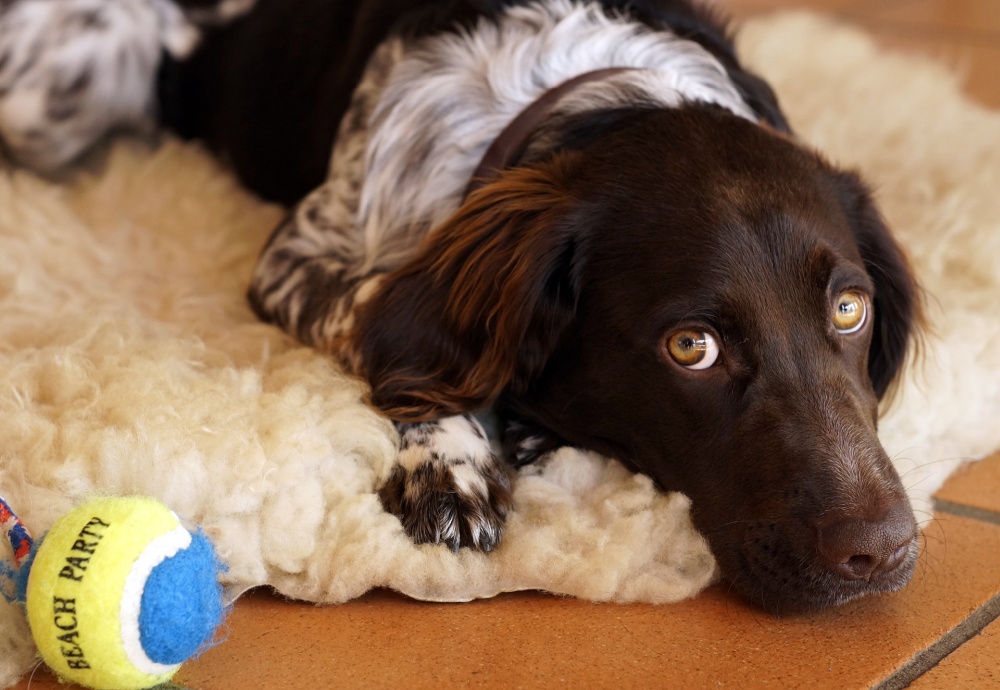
(585, 215)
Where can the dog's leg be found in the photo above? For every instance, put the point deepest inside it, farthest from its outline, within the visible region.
(306, 280)
(316, 270)
(72, 70)
(448, 486)
(525, 443)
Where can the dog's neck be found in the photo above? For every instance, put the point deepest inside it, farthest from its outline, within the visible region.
(512, 141)
(449, 97)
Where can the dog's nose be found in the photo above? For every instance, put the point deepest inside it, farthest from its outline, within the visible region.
(858, 549)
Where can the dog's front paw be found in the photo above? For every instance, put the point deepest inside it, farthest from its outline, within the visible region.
(448, 486)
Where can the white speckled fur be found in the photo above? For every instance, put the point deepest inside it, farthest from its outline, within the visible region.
(100, 74)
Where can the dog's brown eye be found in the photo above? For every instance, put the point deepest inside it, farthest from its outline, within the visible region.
(849, 312)
(693, 349)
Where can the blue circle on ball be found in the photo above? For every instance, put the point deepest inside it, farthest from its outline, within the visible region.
(181, 603)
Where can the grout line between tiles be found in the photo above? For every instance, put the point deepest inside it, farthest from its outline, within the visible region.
(926, 659)
(962, 510)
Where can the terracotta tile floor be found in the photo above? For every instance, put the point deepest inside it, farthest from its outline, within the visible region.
(533, 640)
(938, 634)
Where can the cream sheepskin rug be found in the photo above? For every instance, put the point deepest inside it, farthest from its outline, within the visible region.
(130, 363)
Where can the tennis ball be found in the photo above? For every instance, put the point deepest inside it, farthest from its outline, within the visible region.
(120, 593)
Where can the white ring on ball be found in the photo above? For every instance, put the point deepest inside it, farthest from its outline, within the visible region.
(158, 550)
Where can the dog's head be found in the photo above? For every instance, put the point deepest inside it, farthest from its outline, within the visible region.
(700, 298)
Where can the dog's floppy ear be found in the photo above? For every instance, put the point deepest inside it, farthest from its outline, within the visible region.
(898, 313)
(482, 305)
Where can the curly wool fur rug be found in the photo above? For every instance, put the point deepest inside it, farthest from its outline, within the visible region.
(130, 363)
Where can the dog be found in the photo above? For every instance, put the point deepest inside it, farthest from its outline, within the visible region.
(584, 215)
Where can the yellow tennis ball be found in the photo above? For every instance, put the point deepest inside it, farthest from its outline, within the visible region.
(112, 588)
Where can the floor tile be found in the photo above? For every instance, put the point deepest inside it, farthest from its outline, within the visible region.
(977, 17)
(743, 8)
(976, 484)
(534, 640)
(973, 666)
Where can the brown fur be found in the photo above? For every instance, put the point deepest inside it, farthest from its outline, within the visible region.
(494, 251)
(550, 293)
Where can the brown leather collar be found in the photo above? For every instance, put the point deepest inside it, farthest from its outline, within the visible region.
(511, 142)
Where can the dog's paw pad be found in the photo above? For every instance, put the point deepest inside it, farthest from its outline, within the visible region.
(450, 502)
